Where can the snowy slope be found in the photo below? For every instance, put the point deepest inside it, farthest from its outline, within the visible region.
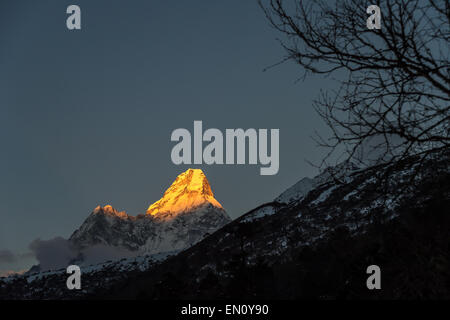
(299, 190)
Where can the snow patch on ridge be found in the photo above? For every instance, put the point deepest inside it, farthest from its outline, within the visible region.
(259, 213)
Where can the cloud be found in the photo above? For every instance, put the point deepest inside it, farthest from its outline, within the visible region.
(58, 253)
(52, 254)
(101, 253)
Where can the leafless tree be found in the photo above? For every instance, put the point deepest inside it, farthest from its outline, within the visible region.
(393, 98)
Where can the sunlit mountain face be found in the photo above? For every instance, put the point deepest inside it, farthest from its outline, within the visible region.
(185, 214)
(190, 190)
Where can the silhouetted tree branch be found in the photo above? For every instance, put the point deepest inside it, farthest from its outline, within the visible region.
(393, 99)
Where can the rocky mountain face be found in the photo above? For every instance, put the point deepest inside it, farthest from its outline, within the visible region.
(316, 243)
(183, 216)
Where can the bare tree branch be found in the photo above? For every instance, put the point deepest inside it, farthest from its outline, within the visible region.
(393, 101)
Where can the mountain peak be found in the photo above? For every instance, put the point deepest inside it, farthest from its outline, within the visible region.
(190, 190)
(185, 215)
(109, 210)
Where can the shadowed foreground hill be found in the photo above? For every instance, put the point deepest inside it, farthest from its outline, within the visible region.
(320, 246)
(317, 243)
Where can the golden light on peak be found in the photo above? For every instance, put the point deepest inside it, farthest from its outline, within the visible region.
(110, 210)
(190, 190)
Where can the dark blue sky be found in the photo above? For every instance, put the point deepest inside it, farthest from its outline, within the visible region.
(86, 116)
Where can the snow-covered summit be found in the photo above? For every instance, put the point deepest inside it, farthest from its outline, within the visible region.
(189, 191)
